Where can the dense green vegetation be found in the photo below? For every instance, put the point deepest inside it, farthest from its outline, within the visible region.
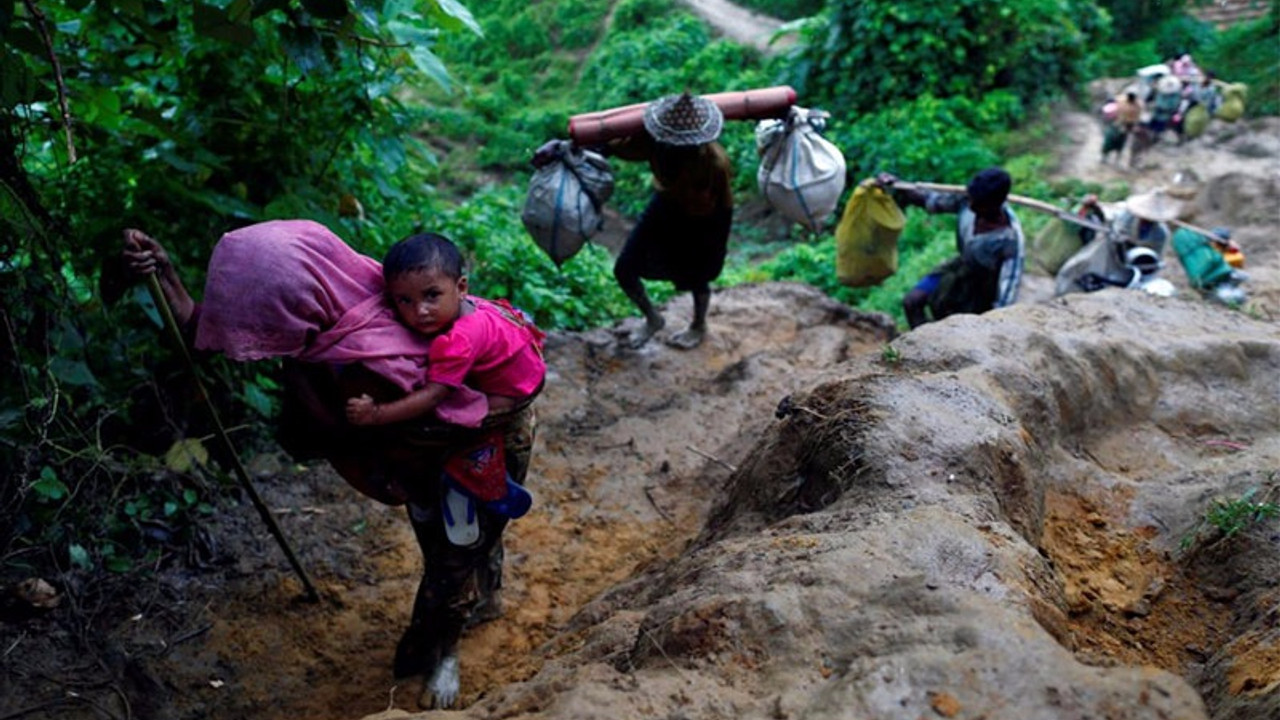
(379, 117)
(784, 9)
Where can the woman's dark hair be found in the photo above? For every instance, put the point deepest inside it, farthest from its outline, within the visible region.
(989, 187)
(424, 251)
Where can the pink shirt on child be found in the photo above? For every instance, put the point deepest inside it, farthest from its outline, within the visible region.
(489, 352)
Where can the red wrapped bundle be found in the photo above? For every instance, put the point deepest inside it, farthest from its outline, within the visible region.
(597, 127)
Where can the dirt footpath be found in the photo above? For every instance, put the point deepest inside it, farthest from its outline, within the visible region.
(739, 24)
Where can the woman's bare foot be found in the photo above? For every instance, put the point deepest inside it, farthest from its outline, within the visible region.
(687, 340)
(441, 690)
(640, 336)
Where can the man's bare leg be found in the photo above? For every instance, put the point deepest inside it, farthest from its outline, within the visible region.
(653, 321)
(697, 331)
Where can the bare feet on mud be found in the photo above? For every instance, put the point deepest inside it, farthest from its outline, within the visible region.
(638, 337)
(687, 340)
(442, 689)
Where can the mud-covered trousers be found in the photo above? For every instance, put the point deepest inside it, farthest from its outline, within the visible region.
(459, 585)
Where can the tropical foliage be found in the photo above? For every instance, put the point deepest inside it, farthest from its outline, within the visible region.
(380, 117)
(868, 54)
(185, 119)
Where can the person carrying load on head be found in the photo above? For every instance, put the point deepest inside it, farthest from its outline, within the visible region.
(987, 273)
(683, 234)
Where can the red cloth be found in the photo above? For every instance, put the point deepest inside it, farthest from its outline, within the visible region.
(291, 288)
(492, 350)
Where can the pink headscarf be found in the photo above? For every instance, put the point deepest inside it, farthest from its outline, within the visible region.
(292, 288)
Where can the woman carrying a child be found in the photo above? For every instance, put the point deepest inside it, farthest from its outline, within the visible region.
(392, 372)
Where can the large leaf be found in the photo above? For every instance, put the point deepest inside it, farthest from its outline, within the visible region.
(419, 40)
(17, 85)
(429, 64)
(304, 48)
(27, 40)
(185, 455)
(49, 487)
(72, 372)
(451, 15)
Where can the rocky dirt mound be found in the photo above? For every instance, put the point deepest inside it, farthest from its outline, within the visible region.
(997, 516)
(987, 519)
(633, 448)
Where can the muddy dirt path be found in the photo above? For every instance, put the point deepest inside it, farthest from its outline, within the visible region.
(740, 24)
(632, 446)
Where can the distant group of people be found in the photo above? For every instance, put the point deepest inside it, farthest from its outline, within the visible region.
(1157, 103)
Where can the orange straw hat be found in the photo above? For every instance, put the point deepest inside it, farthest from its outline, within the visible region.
(683, 120)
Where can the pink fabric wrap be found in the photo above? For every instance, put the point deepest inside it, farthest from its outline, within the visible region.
(291, 288)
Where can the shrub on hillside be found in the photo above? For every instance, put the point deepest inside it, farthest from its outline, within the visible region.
(1247, 53)
(1180, 34)
(868, 54)
(1133, 20)
(928, 138)
(784, 9)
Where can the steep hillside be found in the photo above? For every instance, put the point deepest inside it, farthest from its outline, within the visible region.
(997, 516)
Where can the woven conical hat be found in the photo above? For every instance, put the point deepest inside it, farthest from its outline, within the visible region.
(683, 120)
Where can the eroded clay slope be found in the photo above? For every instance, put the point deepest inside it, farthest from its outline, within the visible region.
(984, 521)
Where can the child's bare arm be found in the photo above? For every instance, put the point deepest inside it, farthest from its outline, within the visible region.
(364, 411)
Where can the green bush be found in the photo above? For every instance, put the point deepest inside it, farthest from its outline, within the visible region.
(504, 262)
(638, 14)
(927, 138)
(868, 54)
(1181, 34)
(1133, 20)
(1248, 53)
(1122, 59)
(784, 9)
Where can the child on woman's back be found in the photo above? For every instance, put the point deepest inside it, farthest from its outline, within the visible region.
(484, 345)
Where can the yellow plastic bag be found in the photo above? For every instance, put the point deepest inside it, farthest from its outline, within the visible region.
(1236, 90)
(1053, 246)
(867, 237)
(1231, 110)
(1196, 121)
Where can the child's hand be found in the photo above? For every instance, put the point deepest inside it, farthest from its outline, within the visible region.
(362, 411)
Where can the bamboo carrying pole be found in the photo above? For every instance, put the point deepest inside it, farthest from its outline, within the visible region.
(171, 324)
(1047, 207)
(1016, 200)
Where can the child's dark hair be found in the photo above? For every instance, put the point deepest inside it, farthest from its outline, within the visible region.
(990, 186)
(424, 251)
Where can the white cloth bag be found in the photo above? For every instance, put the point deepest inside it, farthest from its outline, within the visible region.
(801, 174)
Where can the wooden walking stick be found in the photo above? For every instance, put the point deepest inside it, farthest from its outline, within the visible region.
(171, 323)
